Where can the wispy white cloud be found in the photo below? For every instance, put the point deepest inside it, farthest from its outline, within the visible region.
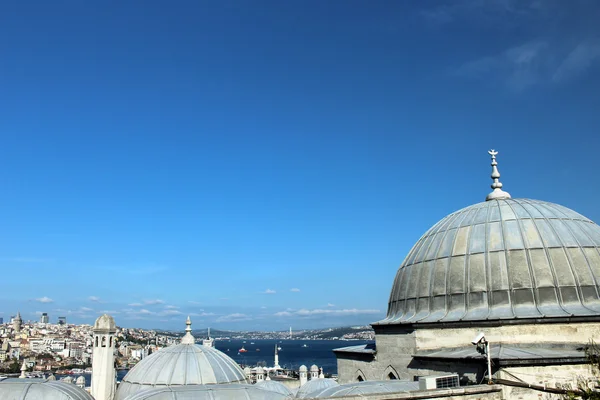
(110, 312)
(235, 317)
(154, 302)
(331, 312)
(30, 260)
(283, 314)
(171, 307)
(44, 300)
(194, 302)
(202, 314)
(294, 290)
(86, 309)
(169, 312)
(581, 58)
(486, 13)
(269, 291)
(330, 305)
(534, 63)
(94, 299)
(135, 304)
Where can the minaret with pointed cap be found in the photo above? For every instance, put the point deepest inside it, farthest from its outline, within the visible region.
(23, 370)
(498, 193)
(188, 338)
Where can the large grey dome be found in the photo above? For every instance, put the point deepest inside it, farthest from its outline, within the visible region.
(35, 389)
(183, 364)
(500, 259)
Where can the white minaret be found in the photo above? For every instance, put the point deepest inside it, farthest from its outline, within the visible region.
(303, 374)
(208, 342)
(103, 358)
(314, 372)
(276, 361)
(23, 370)
(290, 332)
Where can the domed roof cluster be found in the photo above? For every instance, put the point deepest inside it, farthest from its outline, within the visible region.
(35, 389)
(500, 259)
(183, 364)
(310, 388)
(367, 387)
(274, 386)
(201, 392)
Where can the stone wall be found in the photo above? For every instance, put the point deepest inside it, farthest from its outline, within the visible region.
(573, 333)
(554, 376)
(395, 349)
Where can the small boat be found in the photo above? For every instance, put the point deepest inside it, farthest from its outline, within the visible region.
(251, 342)
(304, 345)
(257, 349)
(242, 350)
(278, 348)
(244, 341)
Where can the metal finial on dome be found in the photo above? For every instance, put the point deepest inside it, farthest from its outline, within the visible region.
(188, 338)
(498, 193)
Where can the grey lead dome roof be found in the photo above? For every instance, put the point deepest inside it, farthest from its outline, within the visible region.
(36, 389)
(209, 392)
(500, 259)
(182, 364)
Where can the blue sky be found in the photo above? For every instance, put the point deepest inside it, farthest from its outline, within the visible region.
(267, 164)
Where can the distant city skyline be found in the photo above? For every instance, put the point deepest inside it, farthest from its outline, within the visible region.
(270, 164)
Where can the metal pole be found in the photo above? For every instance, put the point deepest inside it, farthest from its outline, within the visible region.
(489, 362)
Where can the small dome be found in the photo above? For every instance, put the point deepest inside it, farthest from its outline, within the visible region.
(208, 392)
(105, 323)
(303, 368)
(367, 387)
(67, 379)
(274, 386)
(247, 370)
(36, 389)
(314, 386)
(314, 368)
(497, 260)
(80, 380)
(183, 364)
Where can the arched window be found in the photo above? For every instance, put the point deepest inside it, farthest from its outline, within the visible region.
(390, 373)
(110, 341)
(359, 378)
(96, 341)
(103, 341)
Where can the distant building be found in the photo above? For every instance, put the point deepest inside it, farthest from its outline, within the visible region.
(1, 320)
(62, 320)
(17, 323)
(44, 318)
